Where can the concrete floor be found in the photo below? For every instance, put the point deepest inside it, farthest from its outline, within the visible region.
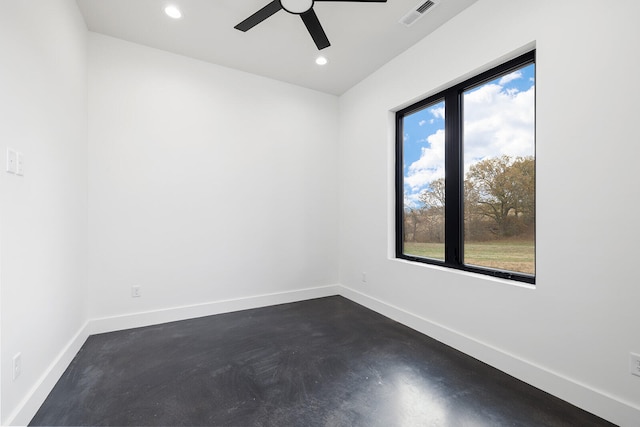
(323, 362)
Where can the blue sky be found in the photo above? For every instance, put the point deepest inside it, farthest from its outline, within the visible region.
(498, 119)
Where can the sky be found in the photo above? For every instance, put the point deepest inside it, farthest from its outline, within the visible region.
(499, 118)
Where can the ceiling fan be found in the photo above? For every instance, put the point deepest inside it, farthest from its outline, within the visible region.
(304, 8)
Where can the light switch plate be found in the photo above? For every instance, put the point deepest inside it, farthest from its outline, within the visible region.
(12, 160)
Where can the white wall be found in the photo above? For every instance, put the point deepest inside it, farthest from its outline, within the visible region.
(581, 320)
(43, 216)
(205, 183)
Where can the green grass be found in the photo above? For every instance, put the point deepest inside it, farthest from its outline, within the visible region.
(517, 256)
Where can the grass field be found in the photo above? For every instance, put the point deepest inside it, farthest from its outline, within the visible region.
(517, 256)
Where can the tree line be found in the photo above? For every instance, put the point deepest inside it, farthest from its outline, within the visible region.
(499, 202)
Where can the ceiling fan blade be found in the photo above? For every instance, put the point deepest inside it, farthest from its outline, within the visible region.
(259, 16)
(310, 19)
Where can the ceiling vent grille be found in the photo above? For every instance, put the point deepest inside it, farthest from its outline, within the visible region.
(418, 12)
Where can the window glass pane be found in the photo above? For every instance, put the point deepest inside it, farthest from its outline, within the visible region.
(423, 182)
(499, 167)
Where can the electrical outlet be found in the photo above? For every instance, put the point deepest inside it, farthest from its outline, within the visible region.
(634, 364)
(19, 164)
(135, 292)
(17, 365)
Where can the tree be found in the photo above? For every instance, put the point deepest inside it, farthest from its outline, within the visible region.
(502, 189)
(499, 201)
(433, 197)
(522, 173)
(411, 223)
(433, 211)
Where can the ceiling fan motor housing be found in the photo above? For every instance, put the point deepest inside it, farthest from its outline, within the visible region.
(302, 8)
(297, 7)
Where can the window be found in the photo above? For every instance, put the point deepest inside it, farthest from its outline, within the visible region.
(465, 174)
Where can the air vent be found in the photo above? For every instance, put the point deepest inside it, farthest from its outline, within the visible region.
(426, 6)
(418, 12)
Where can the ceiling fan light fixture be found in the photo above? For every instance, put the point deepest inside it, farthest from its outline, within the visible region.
(296, 7)
(302, 8)
(173, 12)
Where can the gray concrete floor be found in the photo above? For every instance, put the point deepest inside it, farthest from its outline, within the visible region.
(323, 362)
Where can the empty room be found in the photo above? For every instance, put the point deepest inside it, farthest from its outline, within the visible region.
(329, 212)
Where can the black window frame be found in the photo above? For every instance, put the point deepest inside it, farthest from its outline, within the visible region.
(454, 172)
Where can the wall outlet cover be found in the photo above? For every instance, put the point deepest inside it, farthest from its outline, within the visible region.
(135, 292)
(634, 364)
(19, 164)
(17, 366)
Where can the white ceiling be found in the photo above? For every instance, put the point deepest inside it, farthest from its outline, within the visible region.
(363, 36)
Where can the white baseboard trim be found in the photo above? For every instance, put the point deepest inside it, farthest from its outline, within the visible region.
(595, 401)
(581, 395)
(28, 407)
(156, 317)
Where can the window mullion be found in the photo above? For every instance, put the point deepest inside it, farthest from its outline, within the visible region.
(453, 178)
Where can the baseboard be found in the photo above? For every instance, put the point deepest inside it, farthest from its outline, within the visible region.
(595, 401)
(583, 396)
(155, 317)
(28, 407)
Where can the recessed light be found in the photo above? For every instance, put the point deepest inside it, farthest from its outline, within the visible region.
(321, 60)
(173, 12)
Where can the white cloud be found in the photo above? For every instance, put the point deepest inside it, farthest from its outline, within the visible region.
(510, 77)
(438, 112)
(496, 122)
(428, 167)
